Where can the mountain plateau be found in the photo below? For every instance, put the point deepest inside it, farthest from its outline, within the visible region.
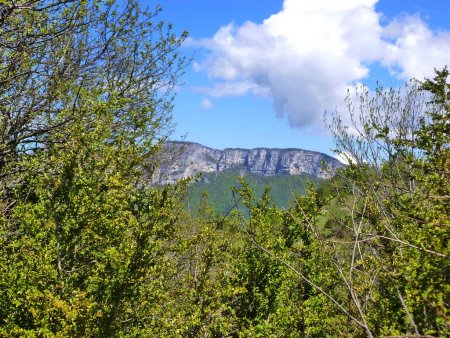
(186, 159)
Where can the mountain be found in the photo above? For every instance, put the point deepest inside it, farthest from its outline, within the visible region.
(217, 188)
(186, 159)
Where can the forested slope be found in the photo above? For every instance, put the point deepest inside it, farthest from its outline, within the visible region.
(217, 189)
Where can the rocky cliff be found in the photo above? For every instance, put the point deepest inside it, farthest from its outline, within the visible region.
(185, 159)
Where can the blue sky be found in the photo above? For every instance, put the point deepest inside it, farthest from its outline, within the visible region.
(265, 71)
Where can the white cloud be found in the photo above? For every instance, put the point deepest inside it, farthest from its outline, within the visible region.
(307, 55)
(415, 49)
(233, 88)
(206, 104)
(346, 158)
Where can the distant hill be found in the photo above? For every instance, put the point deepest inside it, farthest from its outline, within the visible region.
(186, 159)
(217, 186)
(284, 171)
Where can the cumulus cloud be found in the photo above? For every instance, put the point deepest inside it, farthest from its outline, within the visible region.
(415, 49)
(307, 55)
(233, 88)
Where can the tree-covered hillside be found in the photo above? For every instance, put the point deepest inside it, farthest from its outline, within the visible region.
(217, 188)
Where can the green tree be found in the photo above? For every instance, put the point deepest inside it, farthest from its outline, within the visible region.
(61, 57)
(85, 106)
(278, 267)
(207, 266)
(394, 260)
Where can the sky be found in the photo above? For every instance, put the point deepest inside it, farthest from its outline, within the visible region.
(264, 72)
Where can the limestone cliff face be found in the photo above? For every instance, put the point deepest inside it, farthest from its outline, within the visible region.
(185, 159)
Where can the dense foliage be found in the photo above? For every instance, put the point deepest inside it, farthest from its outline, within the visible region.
(85, 105)
(89, 248)
(217, 186)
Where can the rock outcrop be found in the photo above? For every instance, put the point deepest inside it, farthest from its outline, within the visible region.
(186, 159)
